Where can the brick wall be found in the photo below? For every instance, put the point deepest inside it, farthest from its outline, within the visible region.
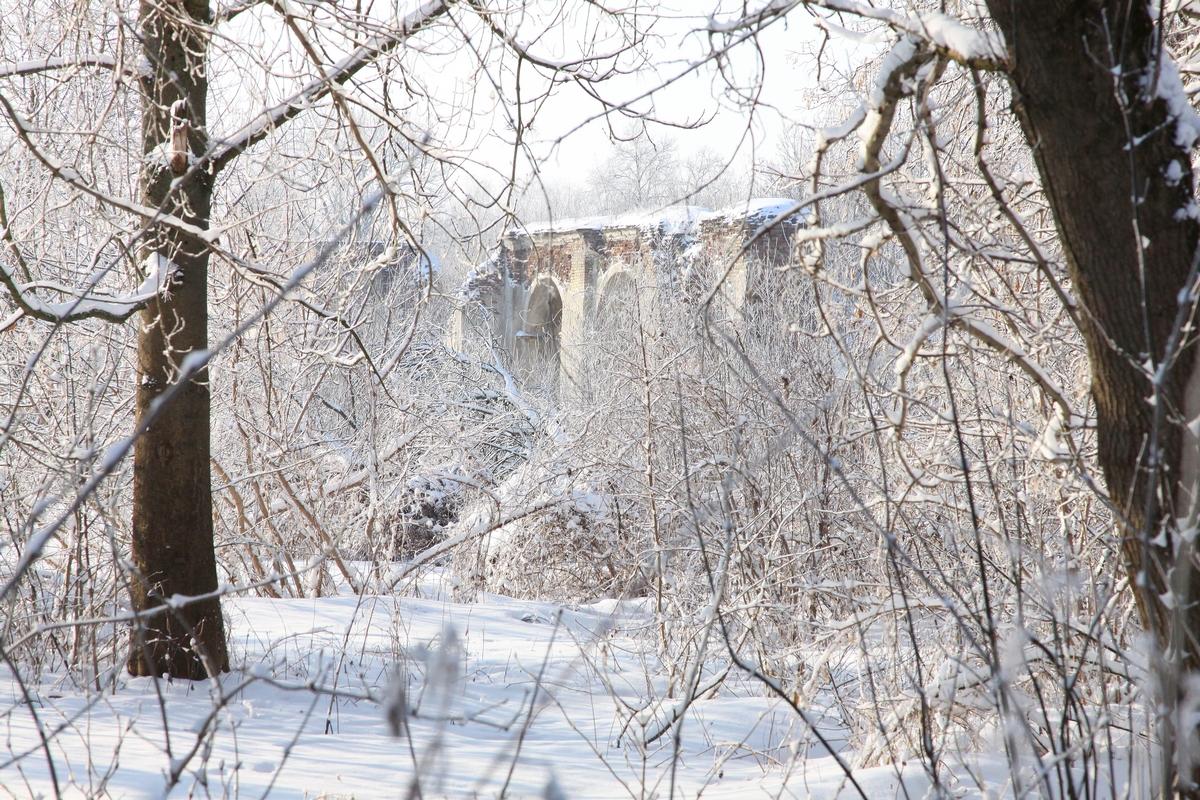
(579, 258)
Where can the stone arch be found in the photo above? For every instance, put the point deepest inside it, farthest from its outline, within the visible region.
(616, 331)
(539, 337)
(618, 292)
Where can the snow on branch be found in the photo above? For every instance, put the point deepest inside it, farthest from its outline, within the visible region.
(357, 477)
(84, 304)
(60, 62)
(481, 528)
(195, 361)
(950, 37)
(989, 335)
(1182, 114)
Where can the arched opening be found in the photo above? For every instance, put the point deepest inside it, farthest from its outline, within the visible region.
(613, 337)
(617, 300)
(538, 340)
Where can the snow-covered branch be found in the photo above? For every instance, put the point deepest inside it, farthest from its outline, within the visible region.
(949, 37)
(59, 62)
(84, 304)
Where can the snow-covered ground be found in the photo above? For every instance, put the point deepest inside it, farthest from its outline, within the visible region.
(306, 712)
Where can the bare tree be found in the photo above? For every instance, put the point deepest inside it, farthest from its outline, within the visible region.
(172, 494)
(641, 172)
(1112, 133)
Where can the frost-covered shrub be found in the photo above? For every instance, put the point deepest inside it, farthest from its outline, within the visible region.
(583, 546)
(422, 510)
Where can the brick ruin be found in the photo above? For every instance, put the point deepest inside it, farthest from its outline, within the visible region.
(545, 285)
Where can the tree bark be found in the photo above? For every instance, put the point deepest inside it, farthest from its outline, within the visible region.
(172, 487)
(1117, 173)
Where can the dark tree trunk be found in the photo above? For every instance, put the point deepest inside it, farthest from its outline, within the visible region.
(1084, 75)
(172, 486)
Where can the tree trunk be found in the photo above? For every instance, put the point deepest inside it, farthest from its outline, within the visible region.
(172, 485)
(1116, 168)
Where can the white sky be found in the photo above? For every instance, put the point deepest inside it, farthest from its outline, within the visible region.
(702, 96)
(461, 104)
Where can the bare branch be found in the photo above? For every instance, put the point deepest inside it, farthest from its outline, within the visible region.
(230, 10)
(339, 73)
(61, 62)
(26, 130)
